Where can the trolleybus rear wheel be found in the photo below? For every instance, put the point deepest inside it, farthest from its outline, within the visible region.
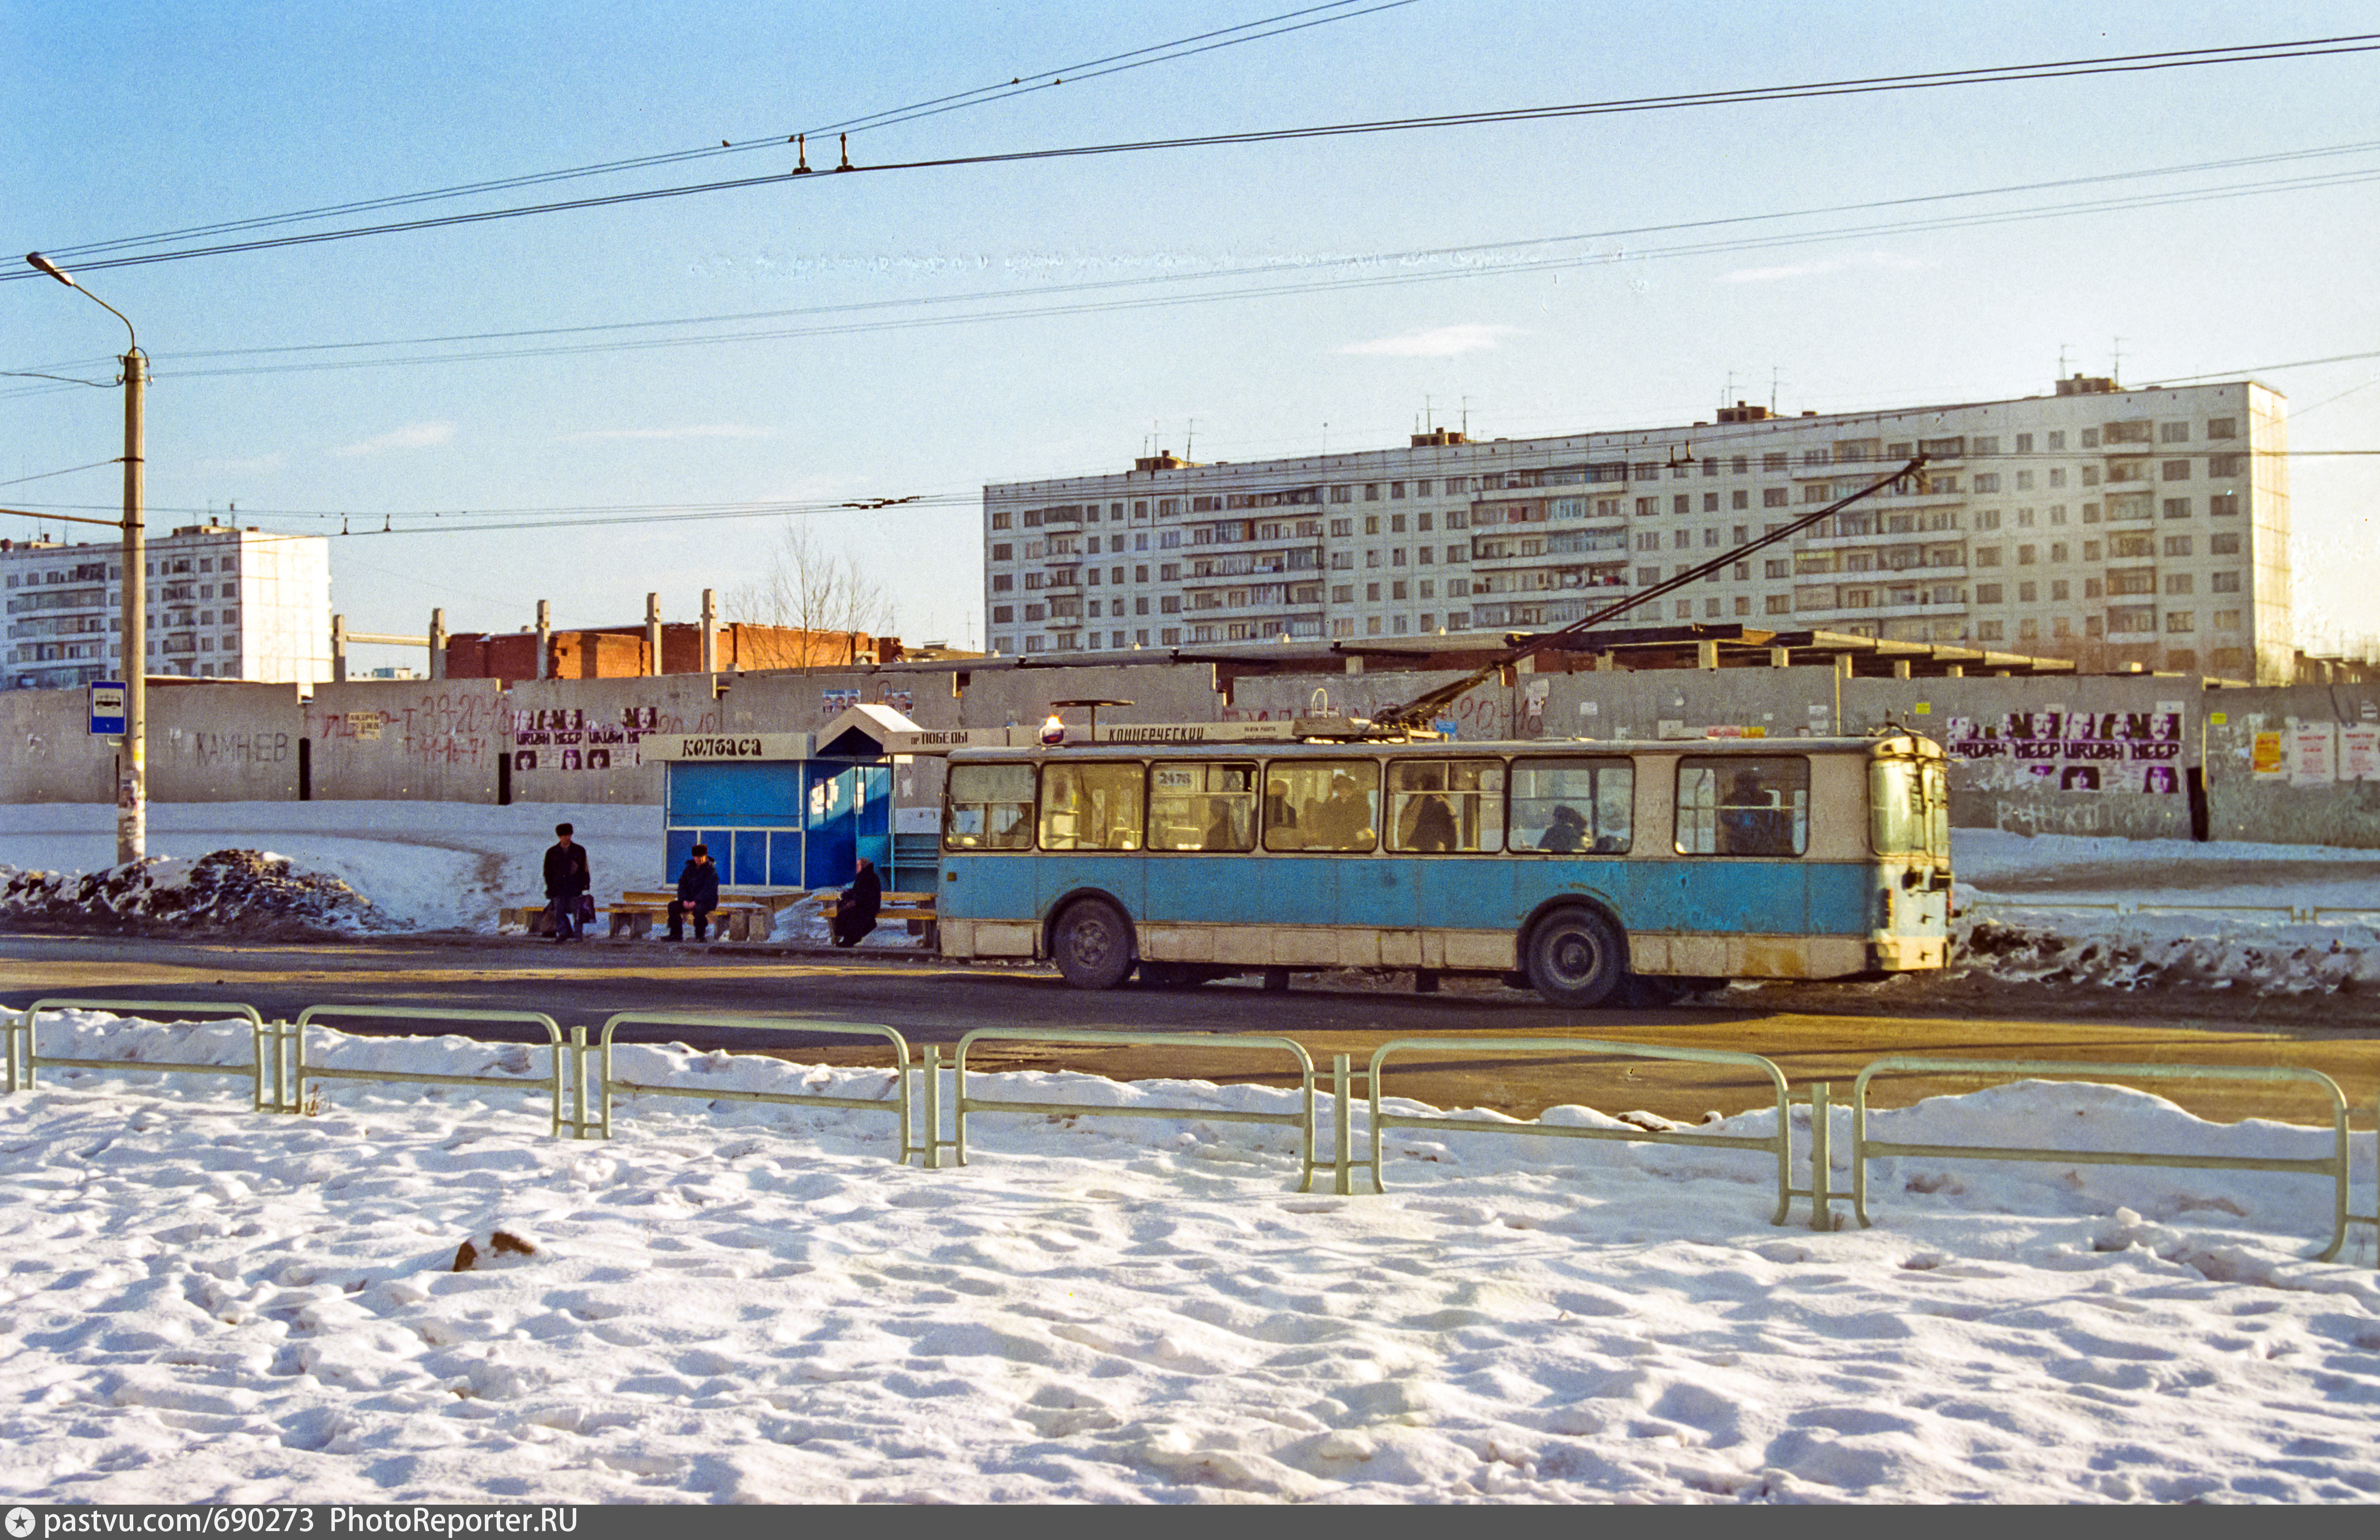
(1576, 958)
(1092, 945)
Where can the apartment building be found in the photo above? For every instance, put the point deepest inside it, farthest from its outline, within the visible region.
(224, 604)
(2111, 526)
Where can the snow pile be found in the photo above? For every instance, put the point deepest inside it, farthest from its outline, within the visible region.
(737, 1303)
(2167, 951)
(245, 893)
(2068, 909)
(425, 866)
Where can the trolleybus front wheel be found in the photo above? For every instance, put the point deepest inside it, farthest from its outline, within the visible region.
(1576, 958)
(1092, 945)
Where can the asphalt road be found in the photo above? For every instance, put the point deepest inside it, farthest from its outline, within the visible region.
(1811, 1032)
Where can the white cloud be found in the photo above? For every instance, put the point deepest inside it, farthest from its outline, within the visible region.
(699, 430)
(1438, 342)
(1869, 261)
(261, 465)
(413, 435)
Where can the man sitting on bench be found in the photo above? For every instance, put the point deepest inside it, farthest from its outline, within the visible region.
(698, 894)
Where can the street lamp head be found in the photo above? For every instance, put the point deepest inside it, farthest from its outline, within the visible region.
(43, 264)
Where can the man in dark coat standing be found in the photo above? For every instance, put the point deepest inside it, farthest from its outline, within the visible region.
(855, 913)
(698, 894)
(566, 876)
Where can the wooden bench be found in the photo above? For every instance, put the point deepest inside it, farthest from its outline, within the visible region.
(635, 916)
(732, 921)
(917, 910)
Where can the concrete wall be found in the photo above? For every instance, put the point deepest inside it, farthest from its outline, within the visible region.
(2004, 793)
(46, 751)
(227, 742)
(1021, 696)
(2246, 806)
(224, 743)
(423, 740)
(1485, 711)
(441, 740)
(574, 741)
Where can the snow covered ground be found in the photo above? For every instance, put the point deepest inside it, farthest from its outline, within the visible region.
(740, 1302)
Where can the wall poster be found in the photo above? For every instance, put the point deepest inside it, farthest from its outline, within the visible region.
(2139, 752)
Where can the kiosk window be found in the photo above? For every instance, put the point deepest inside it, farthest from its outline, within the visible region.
(1202, 805)
(1445, 805)
(1743, 805)
(989, 807)
(1090, 807)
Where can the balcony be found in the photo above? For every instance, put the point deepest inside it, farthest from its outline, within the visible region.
(1879, 611)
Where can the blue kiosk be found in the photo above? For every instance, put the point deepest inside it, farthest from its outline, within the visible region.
(785, 809)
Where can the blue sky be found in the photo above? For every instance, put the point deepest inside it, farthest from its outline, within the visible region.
(138, 119)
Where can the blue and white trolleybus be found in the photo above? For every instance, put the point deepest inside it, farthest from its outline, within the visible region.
(1568, 865)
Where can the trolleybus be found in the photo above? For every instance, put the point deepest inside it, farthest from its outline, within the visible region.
(1564, 866)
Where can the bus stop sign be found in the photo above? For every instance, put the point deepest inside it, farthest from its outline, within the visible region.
(107, 708)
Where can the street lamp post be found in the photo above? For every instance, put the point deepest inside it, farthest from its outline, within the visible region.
(132, 780)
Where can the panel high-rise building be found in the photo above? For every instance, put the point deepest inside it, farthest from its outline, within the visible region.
(2111, 526)
(224, 604)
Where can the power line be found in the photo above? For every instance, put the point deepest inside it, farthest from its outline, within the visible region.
(1283, 281)
(1999, 75)
(69, 471)
(1164, 53)
(1310, 265)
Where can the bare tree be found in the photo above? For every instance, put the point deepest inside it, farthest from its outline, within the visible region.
(807, 588)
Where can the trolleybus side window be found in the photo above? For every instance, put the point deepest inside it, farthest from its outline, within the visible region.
(1198, 805)
(1091, 807)
(990, 807)
(1908, 808)
(1743, 805)
(1445, 805)
(1321, 804)
(1574, 806)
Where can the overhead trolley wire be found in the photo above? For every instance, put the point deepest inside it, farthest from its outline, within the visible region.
(1344, 273)
(1138, 58)
(1999, 75)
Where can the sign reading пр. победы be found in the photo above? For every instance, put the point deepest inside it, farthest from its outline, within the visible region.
(107, 708)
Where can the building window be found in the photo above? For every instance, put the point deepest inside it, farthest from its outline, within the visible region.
(2182, 620)
(2178, 583)
(2223, 505)
(2175, 470)
(2173, 432)
(1371, 491)
(2223, 545)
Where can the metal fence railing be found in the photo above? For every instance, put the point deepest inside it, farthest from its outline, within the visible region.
(2333, 1165)
(1779, 1145)
(962, 1104)
(606, 1082)
(280, 1068)
(294, 1035)
(23, 1058)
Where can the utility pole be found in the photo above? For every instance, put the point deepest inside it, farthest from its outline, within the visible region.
(132, 783)
(132, 768)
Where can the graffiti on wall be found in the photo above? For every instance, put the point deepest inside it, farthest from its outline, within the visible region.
(2135, 752)
(568, 739)
(1484, 714)
(243, 749)
(449, 727)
